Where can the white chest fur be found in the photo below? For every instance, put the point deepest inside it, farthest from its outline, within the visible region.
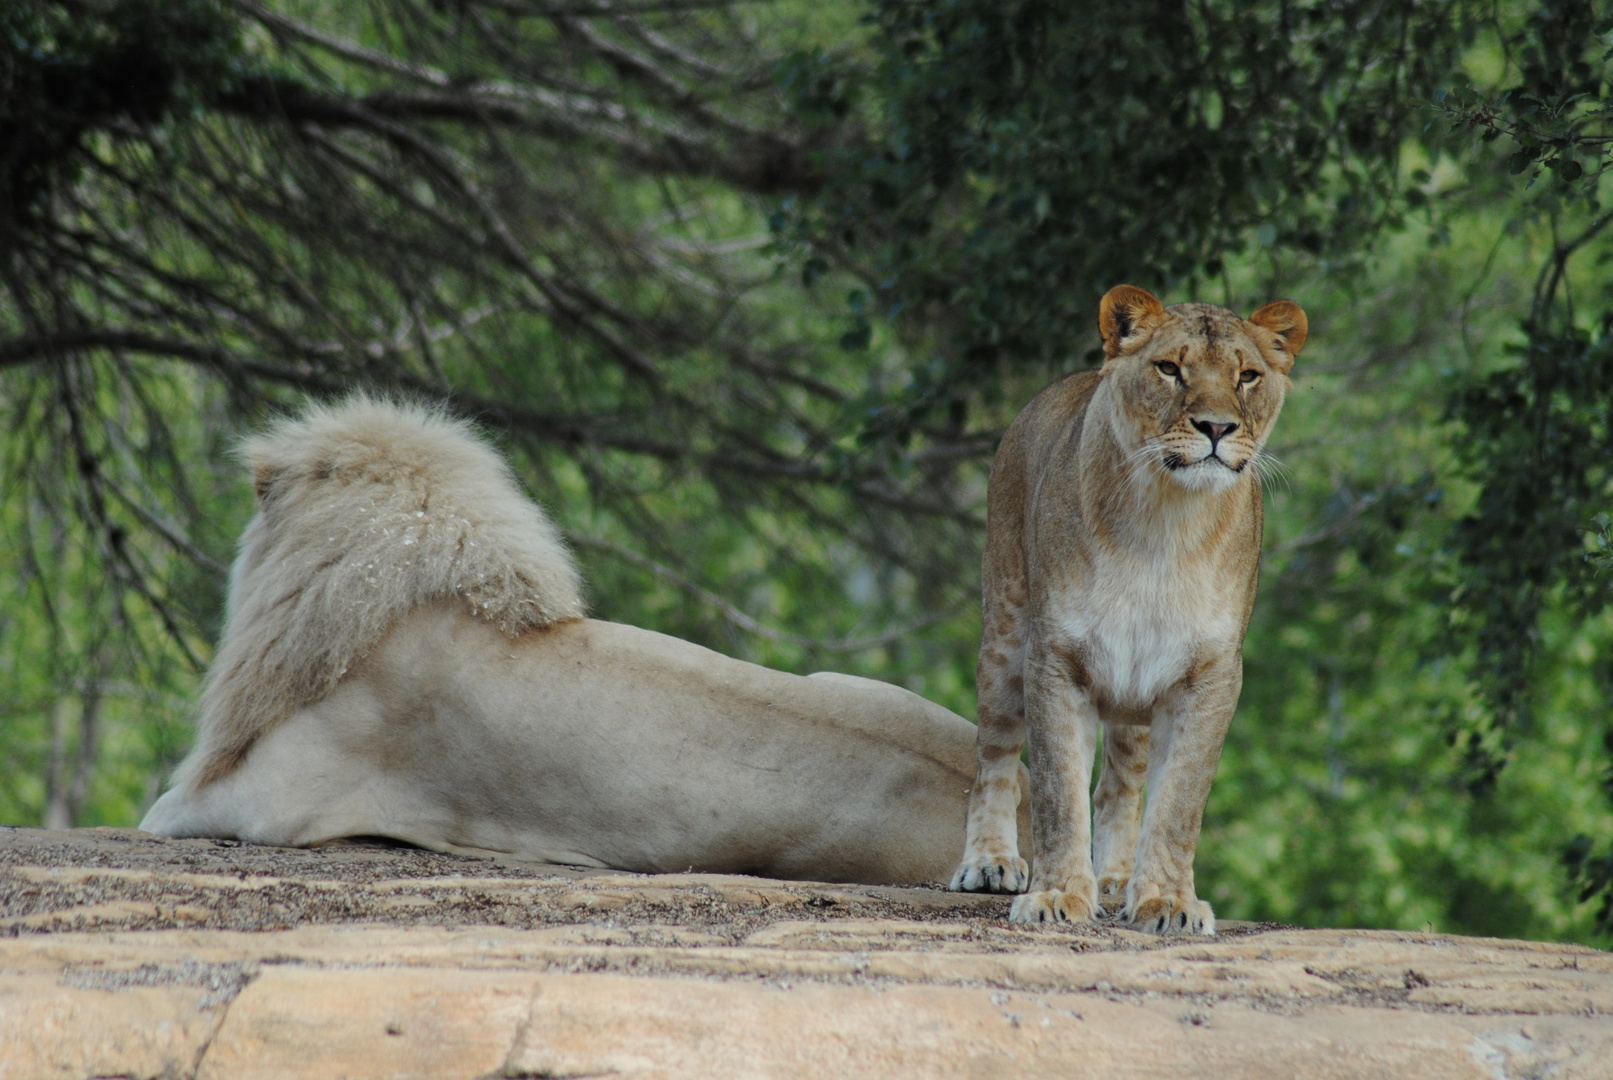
(1142, 619)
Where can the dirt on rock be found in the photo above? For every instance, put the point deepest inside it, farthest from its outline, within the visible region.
(124, 954)
(101, 878)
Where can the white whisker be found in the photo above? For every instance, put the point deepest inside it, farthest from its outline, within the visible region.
(1140, 459)
(1270, 470)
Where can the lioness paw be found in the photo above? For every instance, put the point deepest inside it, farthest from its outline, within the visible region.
(1161, 914)
(991, 873)
(1053, 905)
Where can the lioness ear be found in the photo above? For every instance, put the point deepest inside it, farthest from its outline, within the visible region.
(1287, 320)
(1126, 311)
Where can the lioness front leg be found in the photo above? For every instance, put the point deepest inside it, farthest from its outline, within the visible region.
(1189, 729)
(1061, 725)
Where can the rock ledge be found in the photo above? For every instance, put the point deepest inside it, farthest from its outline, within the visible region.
(125, 955)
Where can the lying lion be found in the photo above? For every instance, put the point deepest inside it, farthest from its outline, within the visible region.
(406, 655)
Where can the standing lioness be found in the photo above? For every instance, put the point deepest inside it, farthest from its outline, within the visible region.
(1122, 547)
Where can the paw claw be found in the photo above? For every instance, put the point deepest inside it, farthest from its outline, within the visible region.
(991, 873)
(1053, 905)
(1160, 914)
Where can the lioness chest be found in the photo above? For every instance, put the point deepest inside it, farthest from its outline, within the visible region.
(1139, 623)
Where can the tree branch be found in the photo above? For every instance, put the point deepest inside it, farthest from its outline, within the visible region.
(745, 622)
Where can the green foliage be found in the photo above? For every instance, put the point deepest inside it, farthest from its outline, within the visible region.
(1538, 440)
(749, 295)
(1026, 156)
(1593, 873)
(95, 690)
(400, 198)
(1339, 800)
(71, 69)
(1537, 432)
(1556, 117)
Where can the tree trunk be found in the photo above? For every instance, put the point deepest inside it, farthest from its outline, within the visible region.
(58, 814)
(65, 795)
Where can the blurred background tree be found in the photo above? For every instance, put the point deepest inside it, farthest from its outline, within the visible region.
(749, 291)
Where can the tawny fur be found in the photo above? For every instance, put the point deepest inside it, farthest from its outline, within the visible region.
(1122, 550)
(366, 511)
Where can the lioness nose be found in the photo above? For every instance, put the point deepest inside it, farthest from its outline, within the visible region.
(1214, 431)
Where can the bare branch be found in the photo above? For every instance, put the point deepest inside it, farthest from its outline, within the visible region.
(168, 531)
(348, 49)
(745, 622)
(583, 10)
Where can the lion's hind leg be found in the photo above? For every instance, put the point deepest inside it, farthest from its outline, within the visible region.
(1117, 810)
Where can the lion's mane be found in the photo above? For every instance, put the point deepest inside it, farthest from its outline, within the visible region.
(367, 510)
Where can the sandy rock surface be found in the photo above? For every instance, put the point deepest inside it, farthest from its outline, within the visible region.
(125, 955)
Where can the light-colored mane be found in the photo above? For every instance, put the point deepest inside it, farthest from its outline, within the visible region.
(366, 511)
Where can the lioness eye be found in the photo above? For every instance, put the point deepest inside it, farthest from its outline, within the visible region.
(1248, 376)
(1168, 369)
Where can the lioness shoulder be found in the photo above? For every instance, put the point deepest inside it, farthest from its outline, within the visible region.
(1123, 539)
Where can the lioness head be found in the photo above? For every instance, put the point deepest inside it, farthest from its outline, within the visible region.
(1199, 387)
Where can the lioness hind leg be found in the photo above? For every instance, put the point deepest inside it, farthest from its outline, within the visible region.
(991, 861)
(1117, 809)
